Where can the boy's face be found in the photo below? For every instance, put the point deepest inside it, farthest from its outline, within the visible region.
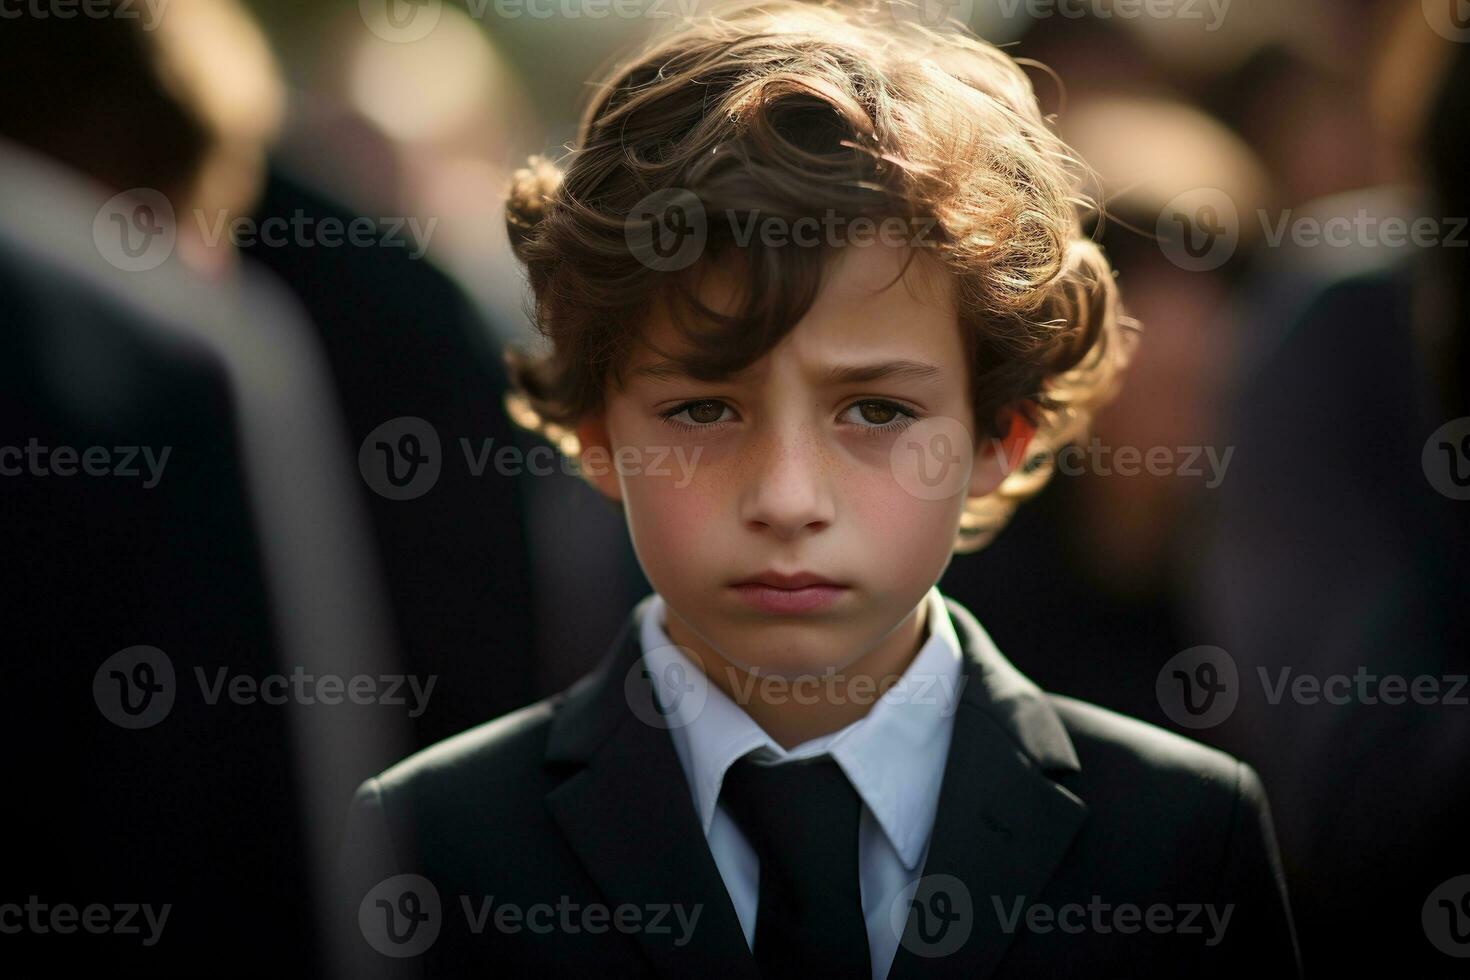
(786, 470)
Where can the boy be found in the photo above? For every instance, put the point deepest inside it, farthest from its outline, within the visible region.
(814, 283)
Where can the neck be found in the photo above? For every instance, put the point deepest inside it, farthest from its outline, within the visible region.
(792, 716)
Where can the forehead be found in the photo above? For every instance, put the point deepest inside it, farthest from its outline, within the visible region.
(876, 302)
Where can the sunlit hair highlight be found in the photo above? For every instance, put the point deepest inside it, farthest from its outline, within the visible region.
(790, 110)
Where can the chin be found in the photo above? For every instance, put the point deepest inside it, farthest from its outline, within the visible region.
(810, 655)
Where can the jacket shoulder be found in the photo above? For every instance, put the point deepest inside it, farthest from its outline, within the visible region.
(498, 750)
(1186, 820)
(1123, 753)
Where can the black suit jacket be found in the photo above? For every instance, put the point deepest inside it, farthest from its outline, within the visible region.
(244, 556)
(401, 339)
(1069, 810)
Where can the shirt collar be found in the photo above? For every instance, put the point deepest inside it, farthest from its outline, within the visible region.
(894, 755)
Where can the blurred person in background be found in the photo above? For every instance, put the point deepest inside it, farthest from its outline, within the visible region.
(1336, 548)
(402, 340)
(1321, 371)
(1106, 556)
(176, 509)
(183, 106)
(431, 130)
(417, 364)
(177, 118)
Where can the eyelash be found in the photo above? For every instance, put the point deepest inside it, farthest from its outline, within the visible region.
(903, 419)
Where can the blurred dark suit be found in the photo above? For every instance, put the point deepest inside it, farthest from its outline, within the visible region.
(245, 557)
(401, 339)
(1332, 552)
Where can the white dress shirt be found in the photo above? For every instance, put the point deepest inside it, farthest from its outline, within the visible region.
(894, 757)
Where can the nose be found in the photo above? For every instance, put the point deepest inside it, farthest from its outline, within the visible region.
(790, 490)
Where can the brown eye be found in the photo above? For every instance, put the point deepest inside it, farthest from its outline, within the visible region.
(877, 416)
(878, 413)
(706, 413)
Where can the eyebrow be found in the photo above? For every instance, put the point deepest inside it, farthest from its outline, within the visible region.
(883, 371)
(839, 374)
(659, 370)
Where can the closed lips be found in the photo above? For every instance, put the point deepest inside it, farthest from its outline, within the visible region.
(800, 580)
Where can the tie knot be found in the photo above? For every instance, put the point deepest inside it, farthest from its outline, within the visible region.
(792, 805)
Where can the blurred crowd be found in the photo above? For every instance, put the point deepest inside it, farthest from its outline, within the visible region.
(269, 239)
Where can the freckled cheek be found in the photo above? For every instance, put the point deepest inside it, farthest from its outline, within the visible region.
(902, 534)
(667, 519)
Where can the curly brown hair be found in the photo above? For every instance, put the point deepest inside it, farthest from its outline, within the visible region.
(791, 110)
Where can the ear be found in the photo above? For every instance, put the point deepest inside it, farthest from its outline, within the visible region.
(998, 457)
(596, 457)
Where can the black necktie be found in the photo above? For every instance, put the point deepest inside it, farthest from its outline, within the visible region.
(802, 820)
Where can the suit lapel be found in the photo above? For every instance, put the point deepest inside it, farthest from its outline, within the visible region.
(1002, 825)
(626, 811)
